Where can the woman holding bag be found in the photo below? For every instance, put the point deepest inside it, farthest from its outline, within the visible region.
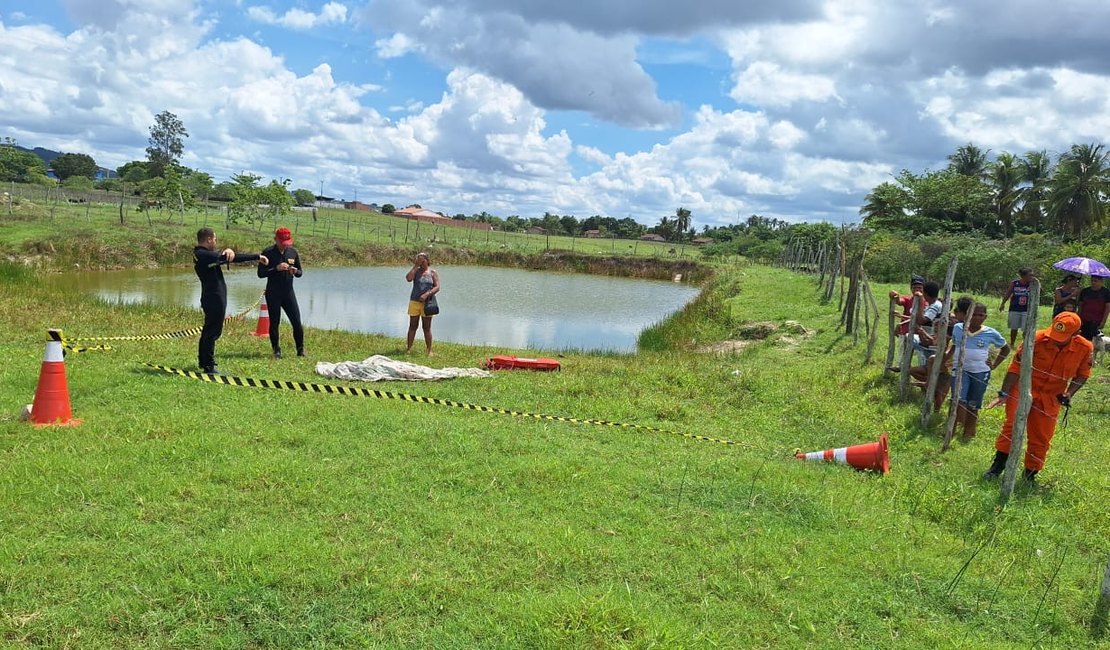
(422, 300)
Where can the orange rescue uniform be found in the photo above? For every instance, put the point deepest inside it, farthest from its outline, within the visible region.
(1053, 369)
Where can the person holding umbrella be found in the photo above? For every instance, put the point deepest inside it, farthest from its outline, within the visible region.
(1094, 301)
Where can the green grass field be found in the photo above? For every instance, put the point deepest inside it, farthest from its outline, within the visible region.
(187, 514)
(40, 215)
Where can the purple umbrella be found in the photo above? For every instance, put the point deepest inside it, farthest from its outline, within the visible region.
(1083, 266)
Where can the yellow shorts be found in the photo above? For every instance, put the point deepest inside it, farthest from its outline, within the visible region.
(416, 308)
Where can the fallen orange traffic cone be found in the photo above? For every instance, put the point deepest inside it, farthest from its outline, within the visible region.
(263, 328)
(872, 455)
(51, 404)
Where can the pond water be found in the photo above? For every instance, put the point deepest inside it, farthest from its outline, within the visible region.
(510, 308)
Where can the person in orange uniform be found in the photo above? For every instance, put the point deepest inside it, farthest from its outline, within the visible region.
(1061, 365)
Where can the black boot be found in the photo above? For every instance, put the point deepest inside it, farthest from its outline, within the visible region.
(277, 353)
(997, 466)
(1030, 476)
(300, 352)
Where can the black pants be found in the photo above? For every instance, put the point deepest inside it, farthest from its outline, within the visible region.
(1089, 330)
(213, 328)
(285, 302)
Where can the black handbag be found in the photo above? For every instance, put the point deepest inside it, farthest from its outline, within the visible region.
(431, 307)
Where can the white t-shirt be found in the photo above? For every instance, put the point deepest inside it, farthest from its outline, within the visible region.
(978, 347)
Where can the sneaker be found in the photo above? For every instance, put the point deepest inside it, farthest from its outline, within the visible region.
(211, 370)
(1030, 476)
(300, 352)
(277, 354)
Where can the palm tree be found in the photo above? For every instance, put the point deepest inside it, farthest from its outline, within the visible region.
(884, 206)
(1036, 170)
(681, 220)
(1005, 177)
(1077, 189)
(970, 160)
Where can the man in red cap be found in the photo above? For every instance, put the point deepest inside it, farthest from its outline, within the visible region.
(1061, 365)
(284, 265)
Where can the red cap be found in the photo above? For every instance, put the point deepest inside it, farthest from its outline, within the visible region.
(283, 236)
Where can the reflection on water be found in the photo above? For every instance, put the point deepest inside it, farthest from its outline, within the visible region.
(509, 308)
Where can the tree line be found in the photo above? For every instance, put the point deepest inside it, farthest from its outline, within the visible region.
(1035, 192)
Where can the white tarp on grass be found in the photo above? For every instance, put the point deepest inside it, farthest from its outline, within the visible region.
(380, 368)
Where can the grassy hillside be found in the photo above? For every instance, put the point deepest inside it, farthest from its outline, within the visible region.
(185, 514)
(42, 218)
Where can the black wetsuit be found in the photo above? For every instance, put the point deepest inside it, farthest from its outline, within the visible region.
(213, 300)
(280, 295)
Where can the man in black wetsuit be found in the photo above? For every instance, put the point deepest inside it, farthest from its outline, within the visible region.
(213, 292)
(284, 264)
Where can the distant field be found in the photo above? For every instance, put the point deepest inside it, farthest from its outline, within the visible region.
(41, 209)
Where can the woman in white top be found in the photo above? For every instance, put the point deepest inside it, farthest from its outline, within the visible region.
(977, 366)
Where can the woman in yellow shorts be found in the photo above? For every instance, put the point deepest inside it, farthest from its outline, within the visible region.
(422, 301)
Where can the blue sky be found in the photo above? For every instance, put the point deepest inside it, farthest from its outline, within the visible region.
(792, 109)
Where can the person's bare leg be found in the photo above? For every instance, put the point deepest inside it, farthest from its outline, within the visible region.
(413, 321)
(943, 386)
(427, 326)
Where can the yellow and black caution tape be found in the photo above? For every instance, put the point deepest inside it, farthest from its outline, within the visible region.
(192, 331)
(180, 334)
(358, 391)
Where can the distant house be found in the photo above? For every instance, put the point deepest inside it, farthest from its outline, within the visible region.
(427, 216)
(356, 205)
(652, 237)
(592, 233)
(418, 212)
(702, 241)
(536, 230)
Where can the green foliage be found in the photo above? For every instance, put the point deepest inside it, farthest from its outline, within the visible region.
(74, 164)
(303, 197)
(135, 171)
(197, 184)
(78, 183)
(1011, 194)
(388, 208)
(166, 144)
(19, 166)
(251, 202)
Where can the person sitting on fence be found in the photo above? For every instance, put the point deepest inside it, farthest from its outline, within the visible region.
(977, 366)
(925, 331)
(917, 285)
(920, 374)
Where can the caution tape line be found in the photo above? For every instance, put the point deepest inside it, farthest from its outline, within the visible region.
(193, 331)
(357, 391)
(69, 347)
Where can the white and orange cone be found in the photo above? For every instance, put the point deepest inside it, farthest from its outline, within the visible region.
(263, 328)
(869, 456)
(51, 405)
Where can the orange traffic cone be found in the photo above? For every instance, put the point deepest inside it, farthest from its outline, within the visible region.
(872, 455)
(51, 404)
(263, 328)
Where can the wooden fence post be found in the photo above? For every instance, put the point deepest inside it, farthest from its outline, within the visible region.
(873, 332)
(940, 332)
(892, 325)
(957, 382)
(907, 349)
(1102, 606)
(1017, 436)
